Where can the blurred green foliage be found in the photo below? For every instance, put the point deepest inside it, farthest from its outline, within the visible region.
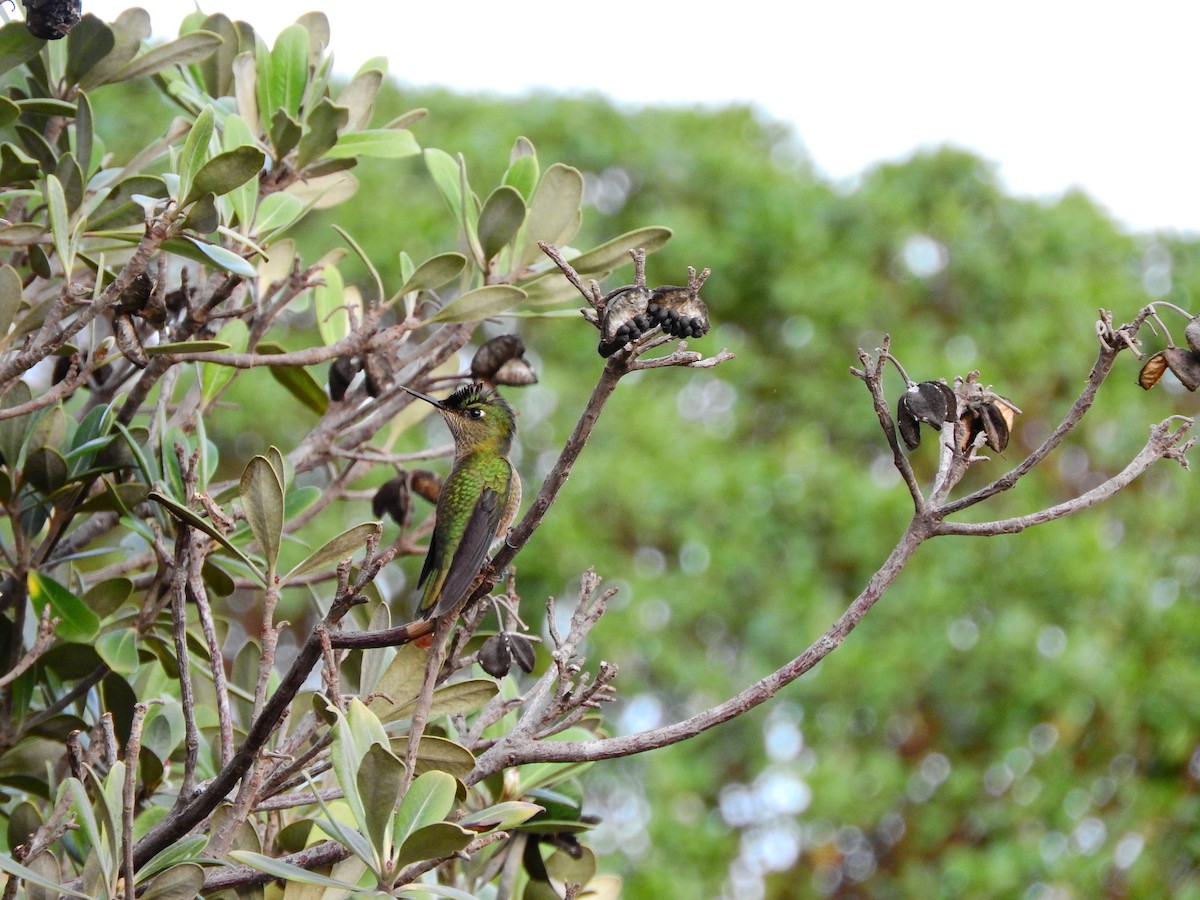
(1019, 714)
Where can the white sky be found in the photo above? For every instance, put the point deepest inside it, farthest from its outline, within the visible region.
(1058, 93)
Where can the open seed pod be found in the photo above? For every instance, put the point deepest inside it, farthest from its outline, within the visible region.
(341, 373)
(1185, 364)
(993, 418)
(624, 318)
(931, 402)
(501, 361)
(393, 499)
(679, 310)
(1192, 334)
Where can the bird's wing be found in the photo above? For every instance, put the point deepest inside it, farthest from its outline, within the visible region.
(468, 559)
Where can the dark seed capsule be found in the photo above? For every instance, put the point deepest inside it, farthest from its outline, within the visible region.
(52, 20)
(341, 373)
(492, 356)
(128, 340)
(1186, 366)
(522, 651)
(515, 372)
(392, 498)
(495, 657)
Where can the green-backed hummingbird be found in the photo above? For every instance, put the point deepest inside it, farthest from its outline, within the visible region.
(479, 497)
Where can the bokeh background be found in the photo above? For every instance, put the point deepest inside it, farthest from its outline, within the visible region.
(1019, 716)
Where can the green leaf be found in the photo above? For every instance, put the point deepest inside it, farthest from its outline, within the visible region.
(358, 97)
(217, 69)
(184, 50)
(226, 171)
(119, 649)
(17, 46)
(106, 598)
(276, 212)
(129, 29)
(459, 697)
(429, 799)
(186, 848)
(187, 347)
(16, 166)
(321, 131)
(443, 168)
(380, 143)
(214, 376)
(279, 869)
(523, 170)
(435, 841)
(262, 502)
(400, 682)
(84, 133)
(612, 254)
(236, 134)
(554, 212)
(60, 225)
(379, 777)
(195, 150)
(502, 216)
(10, 298)
(437, 754)
(8, 112)
(301, 385)
(87, 44)
(190, 518)
(504, 815)
(479, 304)
(289, 69)
(202, 251)
(182, 882)
(79, 624)
(335, 549)
(7, 863)
(329, 298)
(285, 132)
(433, 273)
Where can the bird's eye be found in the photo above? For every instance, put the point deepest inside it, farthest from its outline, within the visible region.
(475, 413)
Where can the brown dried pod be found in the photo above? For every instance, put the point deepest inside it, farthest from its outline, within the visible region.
(1186, 366)
(991, 418)
(1192, 334)
(521, 648)
(128, 340)
(52, 20)
(392, 498)
(515, 373)
(495, 658)
(931, 402)
(1153, 370)
(376, 377)
(137, 295)
(624, 318)
(490, 357)
(341, 373)
(425, 484)
(679, 310)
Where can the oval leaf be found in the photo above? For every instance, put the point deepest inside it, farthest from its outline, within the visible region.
(380, 143)
(501, 218)
(226, 171)
(79, 624)
(614, 253)
(192, 47)
(262, 502)
(335, 550)
(479, 304)
(434, 272)
(554, 213)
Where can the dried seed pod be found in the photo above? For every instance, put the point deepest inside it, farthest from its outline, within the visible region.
(1185, 364)
(495, 658)
(425, 484)
(1153, 370)
(128, 340)
(341, 373)
(1192, 334)
(490, 357)
(392, 498)
(515, 372)
(931, 402)
(376, 376)
(52, 20)
(624, 318)
(991, 418)
(679, 310)
(521, 648)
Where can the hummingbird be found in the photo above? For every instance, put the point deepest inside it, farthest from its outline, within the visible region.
(479, 497)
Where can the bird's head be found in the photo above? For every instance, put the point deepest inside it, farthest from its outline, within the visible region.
(478, 417)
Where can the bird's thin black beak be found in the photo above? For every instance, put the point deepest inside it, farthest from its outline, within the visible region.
(425, 397)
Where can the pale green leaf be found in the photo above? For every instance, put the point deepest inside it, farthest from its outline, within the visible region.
(321, 131)
(612, 254)
(336, 549)
(87, 44)
(329, 300)
(443, 168)
(195, 150)
(433, 273)
(202, 251)
(289, 69)
(10, 297)
(182, 51)
(288, 872)
(458, 697)
(79, 624)
(400, 682)
(129, 29)
(523, 171)
(236, 134)
(17, 46)
(504, 815)
(262, 502)
(213, 376)
(119, 649)
(479, 304)
(60, 225)
(437, 754)
(379, 777)
(554, 212)
(500, 219)
(430, 799)
(182, 882)
(276, 212)
(435, 841)
(380, 143)
(10, 865)
(366, 261)
(358, 97)
(184, 849)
